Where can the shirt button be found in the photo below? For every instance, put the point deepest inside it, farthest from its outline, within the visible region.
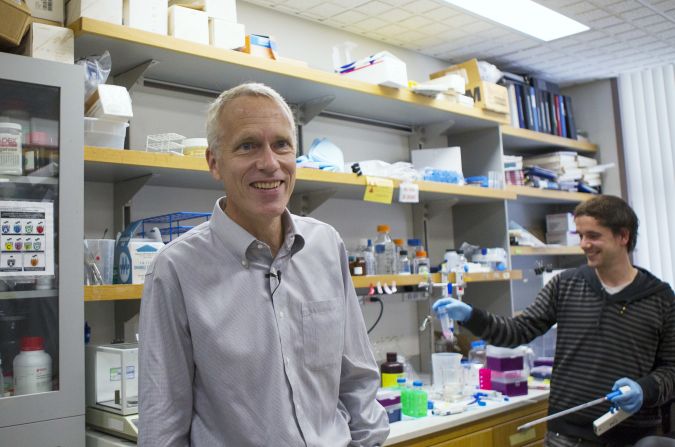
(244, 263)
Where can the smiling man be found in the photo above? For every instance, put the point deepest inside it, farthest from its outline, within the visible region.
(616, 327)
(231, 355)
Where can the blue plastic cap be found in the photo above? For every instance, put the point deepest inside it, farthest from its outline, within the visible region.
(481, 403)
(477, 343)
(414, 242)
(483, 251)
(417, 383)
(370, 243)
(400, 380)
(430, 405)
(450, 288)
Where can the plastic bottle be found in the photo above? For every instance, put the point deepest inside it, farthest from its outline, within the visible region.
(477, 353)
(451, 258)
(404, 264)
(368, 255)
(380, 260)
(405, 393)
(421, 265)
(414, 245)
(390, 371)
(32, 367)
(387, 258)
(398, 246)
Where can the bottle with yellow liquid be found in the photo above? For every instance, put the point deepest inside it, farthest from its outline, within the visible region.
(390, 371)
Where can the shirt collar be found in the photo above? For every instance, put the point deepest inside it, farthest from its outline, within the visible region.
(237, 240)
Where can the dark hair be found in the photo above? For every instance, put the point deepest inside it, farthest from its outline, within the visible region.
(611, 212)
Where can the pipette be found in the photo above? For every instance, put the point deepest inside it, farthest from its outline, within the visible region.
(610, 396)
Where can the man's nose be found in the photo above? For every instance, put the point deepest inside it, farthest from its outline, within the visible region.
(268, 160)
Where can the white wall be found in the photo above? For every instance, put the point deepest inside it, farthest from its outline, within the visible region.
(593, 106)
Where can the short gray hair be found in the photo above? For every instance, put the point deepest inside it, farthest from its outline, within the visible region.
(213, 128)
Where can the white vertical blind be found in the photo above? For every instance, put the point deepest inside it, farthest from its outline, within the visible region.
(647, 101)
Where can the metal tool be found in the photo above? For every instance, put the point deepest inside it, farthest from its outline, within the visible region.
(610, 396)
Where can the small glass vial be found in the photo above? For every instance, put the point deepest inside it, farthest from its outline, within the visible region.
(404, 265)
(358, 267)
(421, 263)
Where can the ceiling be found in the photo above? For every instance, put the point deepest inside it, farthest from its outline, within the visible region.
(625, 35)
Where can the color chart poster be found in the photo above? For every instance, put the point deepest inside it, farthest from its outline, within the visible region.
(26, 238)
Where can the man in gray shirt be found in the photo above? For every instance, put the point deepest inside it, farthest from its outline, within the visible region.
(231, 354)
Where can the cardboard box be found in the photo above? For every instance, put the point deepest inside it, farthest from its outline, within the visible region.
(566, 238)
(260, 46)
(14, 21)
(148, 15)
(386, 69)
(53, 43)
(486, 95)
(562, 222)
(225, 34)
(446, 158)
(105, 10)
(220, 9)
(110, 102)
(52, 10)
(189, 24)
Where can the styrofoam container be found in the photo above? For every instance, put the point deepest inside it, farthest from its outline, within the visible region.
(104, 133)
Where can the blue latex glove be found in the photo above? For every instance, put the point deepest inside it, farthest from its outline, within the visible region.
(456, 309)
(631, 401)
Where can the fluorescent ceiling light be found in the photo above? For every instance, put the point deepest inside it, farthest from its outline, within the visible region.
(525, 16)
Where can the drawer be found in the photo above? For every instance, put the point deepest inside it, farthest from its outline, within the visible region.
(479, 439)
(506, 435)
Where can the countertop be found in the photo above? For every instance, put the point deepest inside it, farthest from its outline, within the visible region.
(414, 428)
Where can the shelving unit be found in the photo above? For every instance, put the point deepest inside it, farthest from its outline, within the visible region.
(119, 292)
(546, 251)
(550, 196)
(521, 140)
(24, 294)
(113, 165)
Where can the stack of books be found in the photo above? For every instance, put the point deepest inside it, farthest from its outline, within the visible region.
(513, 170)
(567, 171)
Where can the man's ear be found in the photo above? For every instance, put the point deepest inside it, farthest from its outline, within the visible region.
(624, 236)
(212, 161)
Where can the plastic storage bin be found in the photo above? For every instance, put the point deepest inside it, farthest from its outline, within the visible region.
(504, 359)
(104, 133)
(510, 383)
(391, 401)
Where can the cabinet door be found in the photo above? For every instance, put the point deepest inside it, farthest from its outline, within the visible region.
(41, 207)
(507, 435)
(479, 439)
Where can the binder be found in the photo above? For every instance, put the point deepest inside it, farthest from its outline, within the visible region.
(571, 127)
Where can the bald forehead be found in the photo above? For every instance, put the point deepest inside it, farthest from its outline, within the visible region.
(253, 106)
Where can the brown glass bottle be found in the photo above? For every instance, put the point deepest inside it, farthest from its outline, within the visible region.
(390, 371)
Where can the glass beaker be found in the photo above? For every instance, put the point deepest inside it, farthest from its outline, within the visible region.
(447, 374)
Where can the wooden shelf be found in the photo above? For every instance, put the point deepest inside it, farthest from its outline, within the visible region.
(114, 165)
(515, 139)
(213, 69)
(114, 292)
(25, 294)
(546, 251)
(117, 292)
(536, 195)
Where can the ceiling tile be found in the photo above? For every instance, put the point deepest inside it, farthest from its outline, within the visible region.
(443, 13)
(418, 6)
(636, 13)
(394, 15)
(416, 22)
(374, 8)
(371, 24)
(326, 9)
(623, 6)
(349, 17)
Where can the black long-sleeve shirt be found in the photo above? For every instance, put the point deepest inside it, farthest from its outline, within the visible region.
(600, 338)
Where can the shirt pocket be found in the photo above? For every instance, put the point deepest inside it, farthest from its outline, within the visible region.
(322, 334)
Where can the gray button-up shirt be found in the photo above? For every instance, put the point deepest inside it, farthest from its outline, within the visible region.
(241, 349)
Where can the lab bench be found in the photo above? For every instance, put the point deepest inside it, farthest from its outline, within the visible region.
(493, 425)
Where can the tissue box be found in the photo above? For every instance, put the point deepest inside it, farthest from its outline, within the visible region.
(189, 24)
(52, 43)
(560, 222)
(220, 9)
(14, 21)
(224, 34)
(105, 10)
(111, 102)
(385, 69)
(148, 15)
(446, 158)
(51, 10)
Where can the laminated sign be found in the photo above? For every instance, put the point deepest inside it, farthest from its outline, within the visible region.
(27, 238)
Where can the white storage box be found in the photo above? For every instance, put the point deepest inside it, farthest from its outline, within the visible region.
(446, 158)
(383, 69)
(220, 9)
(556, 223)
(48, 10)
(105, 10)
(104, 133)
(148, 15)
(225, 34)
(52, 43)
(110, 102)
(567, 238)
(189, 24)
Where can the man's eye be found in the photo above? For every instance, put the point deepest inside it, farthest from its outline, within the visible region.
(283, 145)
(246, 146)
